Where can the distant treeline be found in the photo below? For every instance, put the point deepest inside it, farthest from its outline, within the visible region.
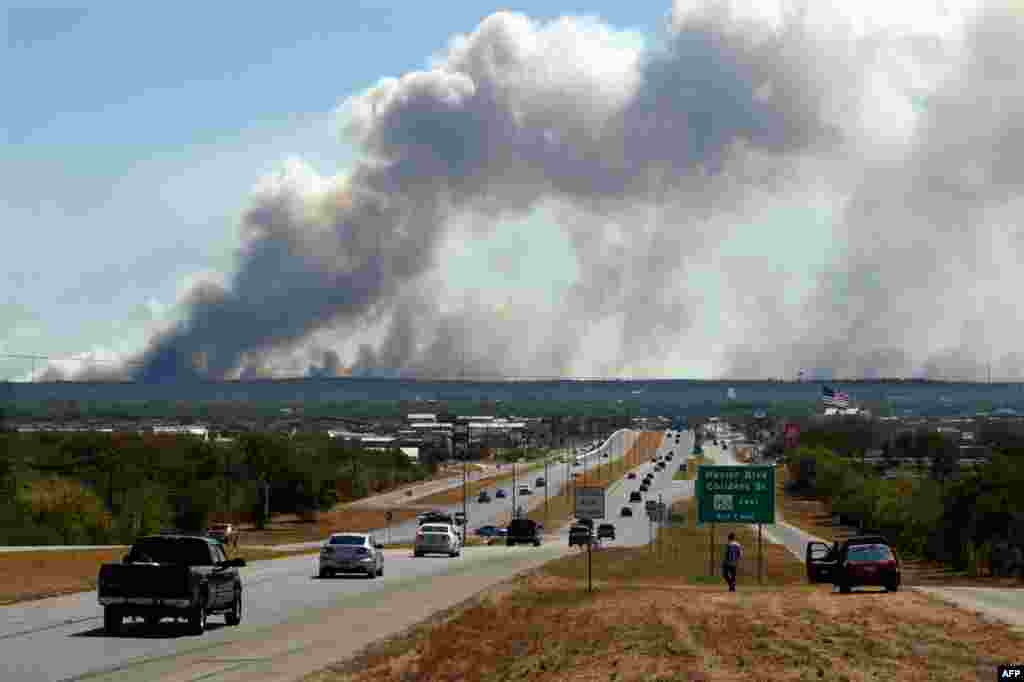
(96, 488)
(965, 518)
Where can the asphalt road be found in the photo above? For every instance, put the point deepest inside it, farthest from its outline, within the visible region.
(635, 530)
(62, 639)
(294, 622)
(498, 511)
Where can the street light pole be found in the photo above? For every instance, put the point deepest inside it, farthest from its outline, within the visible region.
(546, 461)
(515, 487)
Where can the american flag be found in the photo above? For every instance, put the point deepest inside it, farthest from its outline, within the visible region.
(834, 398)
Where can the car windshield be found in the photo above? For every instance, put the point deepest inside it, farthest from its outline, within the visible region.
(348, 540)
(435, 529)
(186, 551)
(859, 553)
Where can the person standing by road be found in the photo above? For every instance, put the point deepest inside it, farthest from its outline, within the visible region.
(731, 560)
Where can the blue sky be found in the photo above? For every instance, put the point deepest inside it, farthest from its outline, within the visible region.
(134, 133)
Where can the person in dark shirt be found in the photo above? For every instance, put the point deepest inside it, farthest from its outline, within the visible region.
(731, 560)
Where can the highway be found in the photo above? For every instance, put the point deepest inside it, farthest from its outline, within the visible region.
(294, 623)
(635, 531)
(498, 511)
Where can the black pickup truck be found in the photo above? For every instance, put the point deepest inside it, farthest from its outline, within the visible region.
(524, 531)
(171, 576)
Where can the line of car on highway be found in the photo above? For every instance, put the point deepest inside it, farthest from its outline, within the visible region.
(484, 496)
(659, 464)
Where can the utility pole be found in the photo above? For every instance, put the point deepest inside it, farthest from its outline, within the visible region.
(515, 487)
(546, 461)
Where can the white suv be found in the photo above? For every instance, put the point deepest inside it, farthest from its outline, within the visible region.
(437, 538)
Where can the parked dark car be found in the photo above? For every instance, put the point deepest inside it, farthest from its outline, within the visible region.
(539, 482)
(626, 511)
(866, 560)
(606, 530)
(500, 494)
(488, 531)
(644, 487)
(631, 475)
(483, 497)
(524, 531)
(171, 576)
(635, 496)
(589, 523)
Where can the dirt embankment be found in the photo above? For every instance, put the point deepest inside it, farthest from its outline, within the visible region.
(660, 616)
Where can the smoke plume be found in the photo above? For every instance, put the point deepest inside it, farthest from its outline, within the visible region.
(646, 155)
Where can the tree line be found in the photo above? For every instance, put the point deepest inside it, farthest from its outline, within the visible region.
(95, 488)
(967, 519)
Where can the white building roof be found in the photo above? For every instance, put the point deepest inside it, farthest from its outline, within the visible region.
(378, 439)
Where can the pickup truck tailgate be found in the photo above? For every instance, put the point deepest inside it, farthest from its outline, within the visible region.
(144, 580)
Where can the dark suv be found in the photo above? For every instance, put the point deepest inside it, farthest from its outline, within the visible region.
(859, 561)
(523, 531)
(635, 496)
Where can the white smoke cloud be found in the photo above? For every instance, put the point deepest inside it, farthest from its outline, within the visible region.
(649, 153)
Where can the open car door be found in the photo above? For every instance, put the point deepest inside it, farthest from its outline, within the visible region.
(821, 562)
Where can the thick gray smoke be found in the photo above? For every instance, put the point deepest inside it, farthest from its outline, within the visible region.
(515, 114)
(930, 277)
(645, 155)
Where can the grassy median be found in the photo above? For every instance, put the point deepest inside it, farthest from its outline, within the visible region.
(655, 617)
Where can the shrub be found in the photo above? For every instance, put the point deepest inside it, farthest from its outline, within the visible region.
(73, 511)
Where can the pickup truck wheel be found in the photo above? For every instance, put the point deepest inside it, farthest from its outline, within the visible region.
(894, 587)
(380, 571)
(325, 573)
(112, 620)
(197, 620)
(844, 588)
(372, 573)
(234, 616)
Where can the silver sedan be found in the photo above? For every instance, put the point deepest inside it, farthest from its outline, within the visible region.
(351, 553)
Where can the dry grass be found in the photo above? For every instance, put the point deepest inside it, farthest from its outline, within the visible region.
(652, 619)
(691, 469)
(342, 519)
(35, 575)
(683, 554)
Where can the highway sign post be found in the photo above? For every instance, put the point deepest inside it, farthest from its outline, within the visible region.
(736, 494)
(589, 505)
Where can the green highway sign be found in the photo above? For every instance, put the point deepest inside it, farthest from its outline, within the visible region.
(735, 494)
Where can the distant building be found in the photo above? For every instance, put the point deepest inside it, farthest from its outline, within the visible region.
(200, 431)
